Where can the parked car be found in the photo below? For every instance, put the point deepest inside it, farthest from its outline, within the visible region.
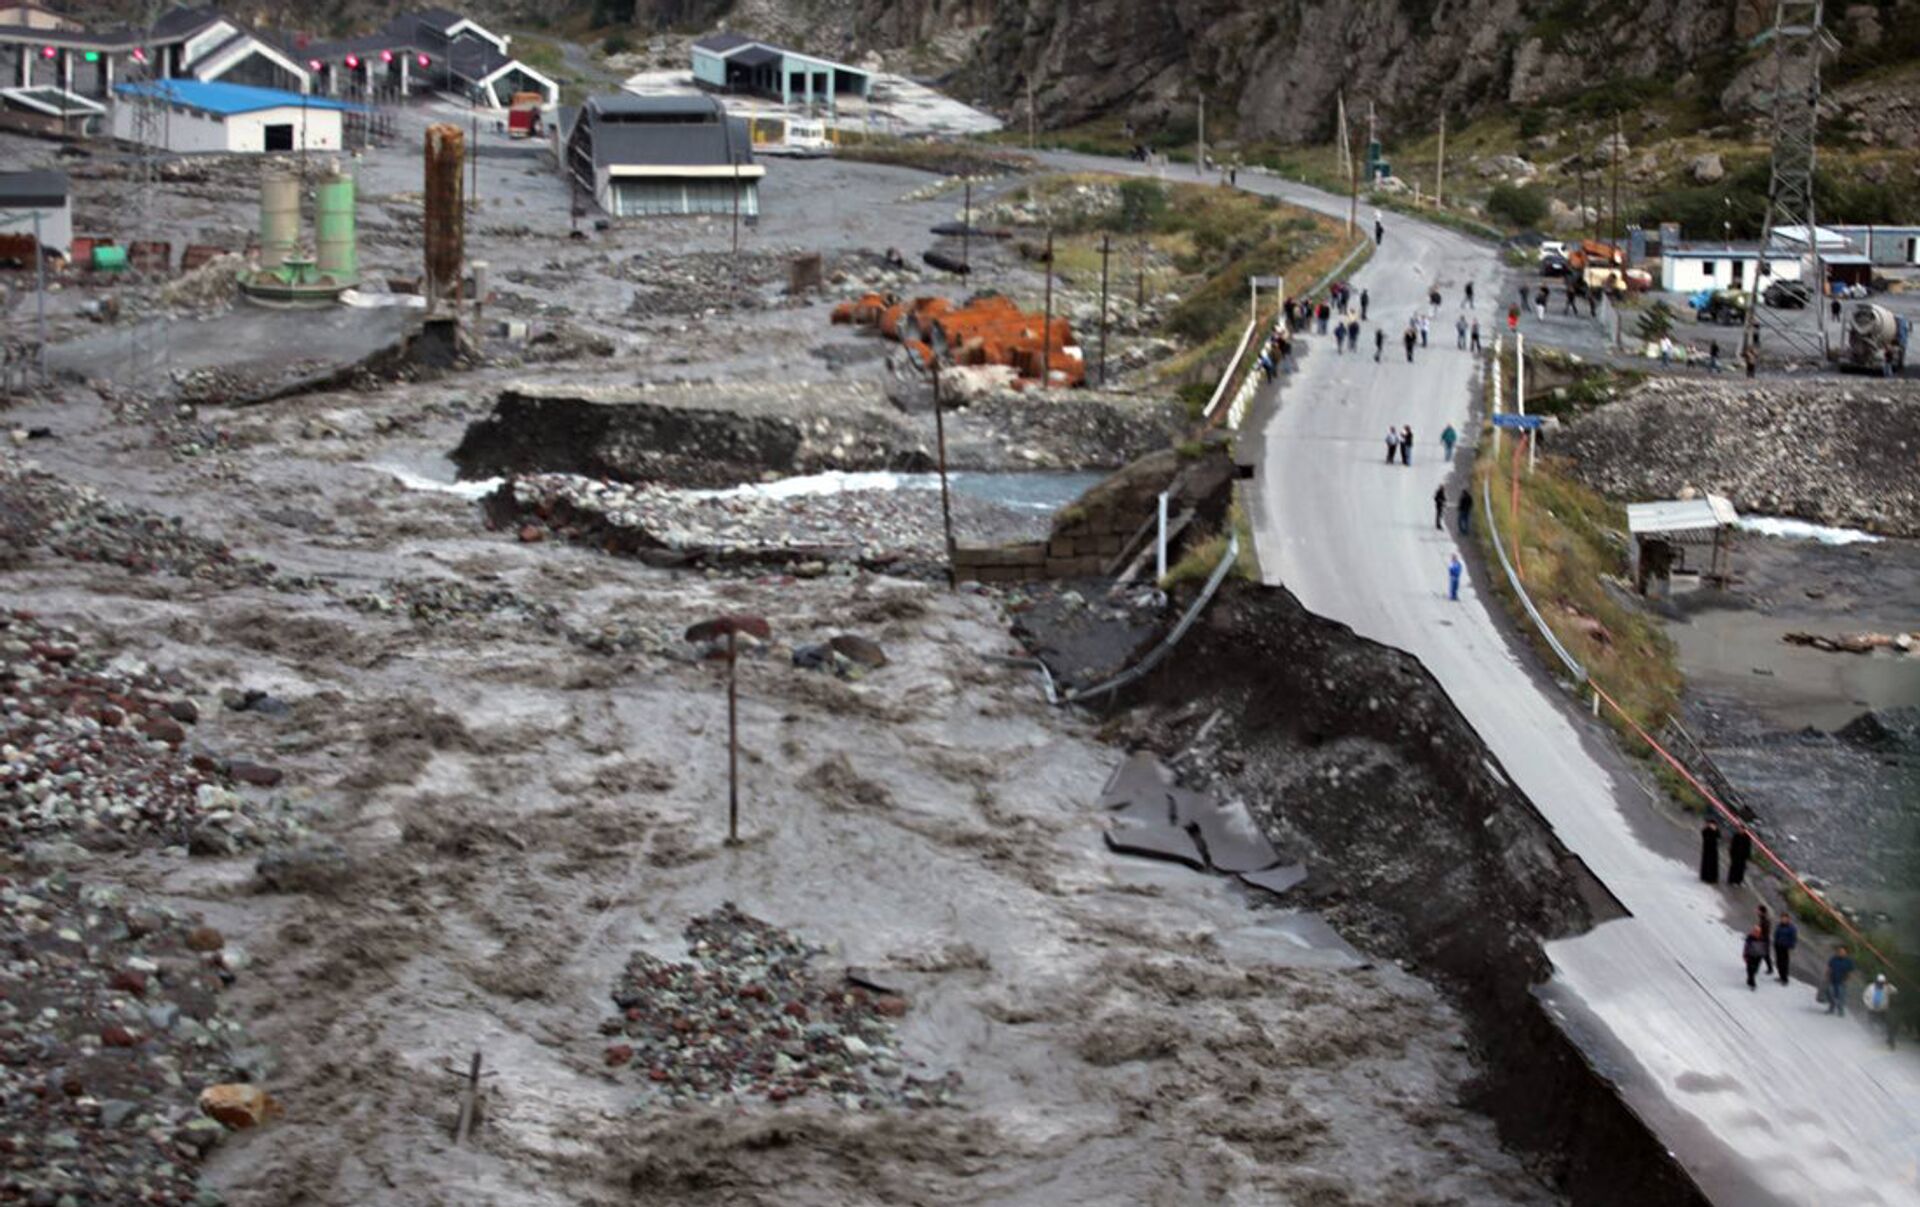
(1553, 265)
(1786, 295)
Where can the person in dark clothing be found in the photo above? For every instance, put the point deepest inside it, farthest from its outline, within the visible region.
(1786, 937)
(1393, 445)
(1473, 338)
(1379, 233)
(1752, 950)
(1410, 338)
(1739, 850)
(1406, 446)
(1570, 307)
(1379, 342)
(1465, 510)
(1340, 337)
(1710, 852)
(1765, 918)
(1593, 303)
(1440, 507)
(1839, 968)
(1836, 310)
(1364, 300)
(1469, 295)
(1433, 298)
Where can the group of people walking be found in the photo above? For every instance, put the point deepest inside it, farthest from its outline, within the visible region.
(1770, 944)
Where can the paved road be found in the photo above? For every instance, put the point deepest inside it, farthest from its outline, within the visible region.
(1764, 1098)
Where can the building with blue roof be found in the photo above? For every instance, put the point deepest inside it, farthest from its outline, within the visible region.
(193, 117)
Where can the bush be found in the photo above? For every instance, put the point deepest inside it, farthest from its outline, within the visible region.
(1655, 322)
(1533, 123)
(1521, 205)
(1142, 204)
(614, 44)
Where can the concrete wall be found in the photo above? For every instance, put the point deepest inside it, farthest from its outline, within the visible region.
(56, 225)
(709, 68)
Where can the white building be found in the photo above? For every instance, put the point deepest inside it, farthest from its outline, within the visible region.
(1692, 269)
(200, 117)
(23, 195)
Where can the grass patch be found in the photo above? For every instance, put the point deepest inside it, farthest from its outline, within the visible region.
(944, 158)
(1567, 540)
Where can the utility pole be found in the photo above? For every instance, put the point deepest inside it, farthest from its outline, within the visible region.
(1030, 113)
(1105, 247)
(473, 151)
(1200, 143)
(1340, 133)
(1440, 169)
(946, 501)
(1619, 145)
(1046, 332)
(40, 296)
(966, 229)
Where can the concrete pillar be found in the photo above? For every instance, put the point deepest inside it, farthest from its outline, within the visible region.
(406, 68)
(106, 76)
(27, 56)
(66, 70)
(786, 85)
(809, 91)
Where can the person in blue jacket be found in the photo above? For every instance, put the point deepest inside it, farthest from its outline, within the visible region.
(1786, 937)
(1839, 968)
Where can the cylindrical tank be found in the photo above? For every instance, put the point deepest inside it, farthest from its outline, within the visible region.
(333, 233)
(1873, 323)
(279, 219)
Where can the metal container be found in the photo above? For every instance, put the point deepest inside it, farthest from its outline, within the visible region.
(107, 258)
(333, 229)
(446, 210)
(279, 218)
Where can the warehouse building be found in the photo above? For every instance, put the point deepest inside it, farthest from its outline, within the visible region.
(196, 117)
(647, 156)
(1692, 269)
(735, 63)
(434, 49)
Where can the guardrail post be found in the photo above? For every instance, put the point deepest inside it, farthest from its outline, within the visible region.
(1160, 543)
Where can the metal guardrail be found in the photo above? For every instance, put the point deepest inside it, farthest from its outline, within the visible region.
(1159, 652)
(1250, 385)
(1573, 666)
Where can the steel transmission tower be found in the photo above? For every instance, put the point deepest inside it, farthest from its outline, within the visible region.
(1800, 42)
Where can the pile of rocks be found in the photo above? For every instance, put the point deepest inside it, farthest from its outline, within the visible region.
(109, 1029)
(97, 754)
(1826, 451)
(439, 600)
(38, 509)
(748, 1017)
(877, 526)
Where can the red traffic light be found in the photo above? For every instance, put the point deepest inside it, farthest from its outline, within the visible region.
(314, 64)
(386, 56)
(139, 55)
(424, 60)
(47, 52)
(353, 60)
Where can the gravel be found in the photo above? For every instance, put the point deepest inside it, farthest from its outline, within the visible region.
(1833, 454)
(747, 1017)
(109, 1028)
(98, 755)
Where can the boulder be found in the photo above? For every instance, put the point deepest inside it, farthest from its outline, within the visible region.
(1707, 168)
(239, 1106)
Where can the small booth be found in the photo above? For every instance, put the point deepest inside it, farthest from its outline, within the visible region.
(1676, 536)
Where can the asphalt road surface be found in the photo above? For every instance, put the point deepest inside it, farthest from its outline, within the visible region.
(1763, 1097)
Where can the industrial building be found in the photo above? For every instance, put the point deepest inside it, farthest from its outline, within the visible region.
(646, 156)
(213, 118)
(735, 63)
(1884, 246)
(25, 196)
(432, 49)
(42, 52)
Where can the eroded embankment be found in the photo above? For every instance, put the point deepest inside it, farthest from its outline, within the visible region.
(1419, 848)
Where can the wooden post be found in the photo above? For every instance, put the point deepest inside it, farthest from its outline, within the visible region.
(946, 500)
(966, 229)
(1200, 151)
(733, 742)
(469, 1101)
(1046, 331)
(1105, 246)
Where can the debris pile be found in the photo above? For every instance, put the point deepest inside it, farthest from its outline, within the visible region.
(75, 522)
(439, 600)
(211, 286)
(98, 755)
(748, 1017)
(988, 329)
(872, 527)
(1833, 453)
(108, 1029)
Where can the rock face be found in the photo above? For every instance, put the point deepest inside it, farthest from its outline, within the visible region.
(1831, 454)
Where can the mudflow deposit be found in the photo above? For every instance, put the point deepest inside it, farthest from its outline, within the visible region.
(325, 769)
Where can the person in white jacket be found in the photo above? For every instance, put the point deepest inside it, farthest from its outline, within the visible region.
(1878, 999)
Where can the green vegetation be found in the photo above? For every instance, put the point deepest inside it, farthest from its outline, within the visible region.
(615, 43)
(1567, 541)
(1655, 323)
(1519, 205)
(1203, 556)
(944, 158)
(1143, 205)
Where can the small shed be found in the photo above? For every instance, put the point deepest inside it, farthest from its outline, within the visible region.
(22, 196)
(1664, 532)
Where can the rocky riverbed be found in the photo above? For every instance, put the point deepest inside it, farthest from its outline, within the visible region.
(1842, 453)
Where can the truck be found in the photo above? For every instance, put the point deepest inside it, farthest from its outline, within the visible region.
(1877, 339)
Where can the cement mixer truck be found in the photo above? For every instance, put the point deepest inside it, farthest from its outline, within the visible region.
(1877, 339)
